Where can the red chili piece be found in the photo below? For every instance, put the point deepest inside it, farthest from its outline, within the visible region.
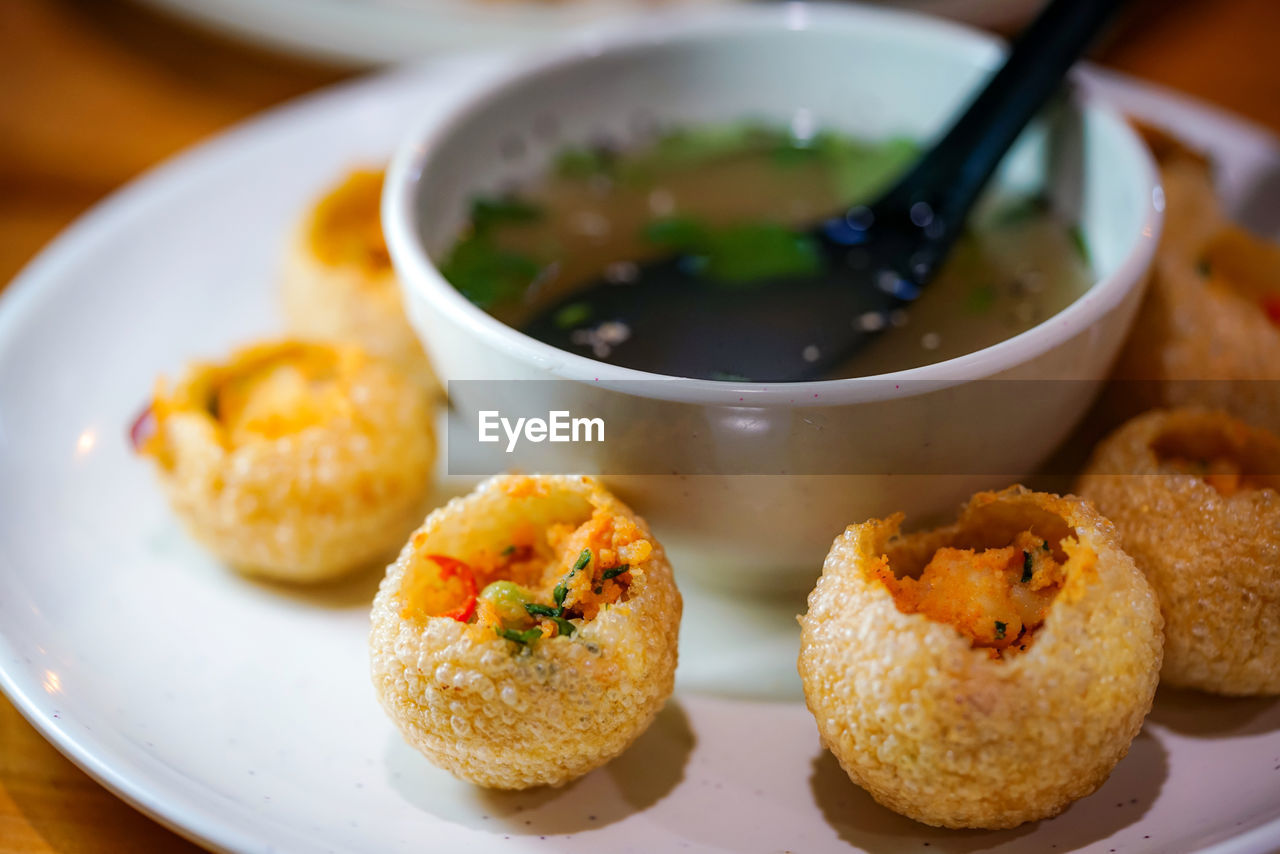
(143, 428)
(454, 568)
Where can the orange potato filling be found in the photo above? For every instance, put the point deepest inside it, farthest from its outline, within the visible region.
(613, 541)
(346, 225)
(1223, 474)
(265, 392)
(285, 394)
(1223, 456)
(575, 569)
(996, 597)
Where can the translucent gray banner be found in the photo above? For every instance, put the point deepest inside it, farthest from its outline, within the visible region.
(1006, 428)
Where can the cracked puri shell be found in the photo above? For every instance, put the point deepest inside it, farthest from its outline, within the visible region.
(940, 731)
(1208, 330)
(1213, 559)
(336, 489)
(511, 716)
(337, 282)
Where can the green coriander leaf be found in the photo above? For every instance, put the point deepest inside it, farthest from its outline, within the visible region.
(489, 212)
(525, 637)
(793, 153)
(572, 315)
(486, 274)
(583, 163)
(750, 252)
(862, 171)
(678, 233)
(1080, 243)
(980, 299)
(687, 147)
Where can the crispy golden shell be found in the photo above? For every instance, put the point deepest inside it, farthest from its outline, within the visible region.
(1203, 335)
(938, 730)
(511, 717)
(310, 504)
(337, 282)
(1213, 559)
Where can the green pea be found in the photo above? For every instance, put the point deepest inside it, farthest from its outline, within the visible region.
(508, 599)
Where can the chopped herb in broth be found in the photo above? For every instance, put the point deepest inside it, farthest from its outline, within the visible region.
(486, 214)
(488, 274)
(732, 199)
(735, 255)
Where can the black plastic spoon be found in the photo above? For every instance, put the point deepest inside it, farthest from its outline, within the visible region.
(669, 319)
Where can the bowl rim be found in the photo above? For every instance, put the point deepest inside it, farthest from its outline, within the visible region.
(419, 276)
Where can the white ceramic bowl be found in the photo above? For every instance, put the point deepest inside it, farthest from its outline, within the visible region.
(804, 459)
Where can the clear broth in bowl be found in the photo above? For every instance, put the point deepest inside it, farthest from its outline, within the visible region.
(734, 197)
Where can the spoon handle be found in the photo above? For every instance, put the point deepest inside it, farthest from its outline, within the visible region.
(950, 177)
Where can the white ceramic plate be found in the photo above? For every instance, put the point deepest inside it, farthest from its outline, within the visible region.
(381, 31)
(242, 715)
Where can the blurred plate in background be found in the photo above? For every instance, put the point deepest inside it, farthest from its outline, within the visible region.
(371, 32)
(1001, 15)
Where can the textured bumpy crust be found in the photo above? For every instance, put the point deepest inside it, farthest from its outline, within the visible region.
(1199, 338)
(1214, 560)
(939, 731)
(349, 301)
(511, 718)
(307, 506)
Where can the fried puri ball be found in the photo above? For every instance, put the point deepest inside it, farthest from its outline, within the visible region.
(986, 673)
(527, 632)
(337, 281)
(1195, 496)
(1208, 330)
(294, 461)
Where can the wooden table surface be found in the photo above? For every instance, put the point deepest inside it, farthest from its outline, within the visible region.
(93, 92)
